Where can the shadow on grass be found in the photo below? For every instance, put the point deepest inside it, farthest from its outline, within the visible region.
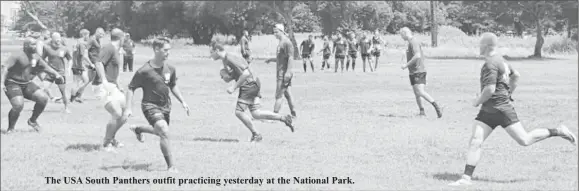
(208, 139)
(4, 131)
(133, 167)
(446, 176)
(396, 115)
(83, 147)
(508, 58)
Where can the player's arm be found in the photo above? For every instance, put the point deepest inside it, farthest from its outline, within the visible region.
(244, 75)
(334, 49)
(48, 69)
(489, 76)
(84, 55)
(175, 88)
(417, 55)
(135, 84)
(10, 62)
(312, 48)
(514, 76)
(69, 59)
(104, 56)
(290, 58)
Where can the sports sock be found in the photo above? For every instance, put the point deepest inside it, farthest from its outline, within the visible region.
(554, 132)
(468, 170)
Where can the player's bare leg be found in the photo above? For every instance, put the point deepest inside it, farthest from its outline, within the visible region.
(115, 109)
(336, 65)
(480, 133)
(161, 129)
(353, 64)
(41, 100)
(268, 115)
(14, 113)
(290, 101)
(82, 82)
(419, 93)
(305, 65)
(246, 120)
(376, 58)
(62, 89)
(311, 63)
(348, 58)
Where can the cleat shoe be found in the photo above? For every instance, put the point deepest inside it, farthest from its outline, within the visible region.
(34, 125)
(9, 131)
(568, 135)
(117, 144)
(438, 110)
(288, 120)
(294, 115)
(172, 170)
(138, 134)
(463, 181)
(256, 138)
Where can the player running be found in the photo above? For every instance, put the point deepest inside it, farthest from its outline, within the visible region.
(81, 67)
(285, 63)
(94, 48)
(245, 51)
(498, 81)
(157, 78)
(377, 43)
(59, 58)
(365, 51)
(17, 83)
(108, 68)
(339, 52)
(129, 50)
(327, 52)
(352, 51)
(416, 68)
(235, 68)
(307, 47)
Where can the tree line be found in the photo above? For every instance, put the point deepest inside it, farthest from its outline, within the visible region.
(201, 20)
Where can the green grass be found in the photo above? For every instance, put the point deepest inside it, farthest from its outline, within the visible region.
(353, 124)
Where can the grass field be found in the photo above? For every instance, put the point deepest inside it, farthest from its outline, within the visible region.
(354, 124)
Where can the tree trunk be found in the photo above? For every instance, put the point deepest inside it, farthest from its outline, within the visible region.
(433, 25)
(292, 37)
(540, 40)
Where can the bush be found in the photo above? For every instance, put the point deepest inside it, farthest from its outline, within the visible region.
(560, 44)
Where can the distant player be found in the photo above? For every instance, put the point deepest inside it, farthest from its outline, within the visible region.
(108, 68)
(245, 51)
(339, 52)
(327, 52)
(81, 67)
(498, 81)
(307, 47)
(352, 51)
(285, 63)
(416, 68)
(129, 49)
(157, 78)
(235, 68)
(365, 51)
(94, 48)
(59, 58)
(377, 44)
(17, 83)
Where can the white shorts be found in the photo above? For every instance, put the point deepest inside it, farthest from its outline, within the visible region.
(113, 93)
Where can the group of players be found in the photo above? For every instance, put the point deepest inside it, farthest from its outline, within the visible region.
(498, 81)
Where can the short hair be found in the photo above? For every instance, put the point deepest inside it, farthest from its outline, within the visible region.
(117, 34)
(217, 46)
(99, 30)
(84, 32)
(405, 30)
(160, 42)
(489, 39)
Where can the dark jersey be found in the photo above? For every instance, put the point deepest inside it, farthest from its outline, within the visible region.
(79, 51)
(285, 49)
(236, 64)
(327, 49)
(52, 55)
(413, 48)
(340, 46)
(496, 72)
(22, 71)
(307, 46)
(110, 57)
(128, 46)
(365, 45)
(94, 47)
(156, 84)
(244, 45)
(352, 46)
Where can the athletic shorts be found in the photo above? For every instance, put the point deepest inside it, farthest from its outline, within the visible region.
(353, 54)
(376, 53)
(327, 56)
(285, 83)
(96, 80)
(249, 91)
(306, 56)
(418, 78)
(113, 93)
(52, 79)
(365, 55)
(505, 117)
(77, 71)
(246, 56)
(154, 113)
(26, 90)
(340, 57)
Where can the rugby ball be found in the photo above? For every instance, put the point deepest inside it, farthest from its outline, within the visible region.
(225, 75)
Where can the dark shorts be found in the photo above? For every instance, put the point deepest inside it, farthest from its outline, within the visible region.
(340, 57)
(376, 53)
(353, 54)
(26, 90)
(77, 71)
(505, 117)
(52, 79)
(306, 56)
(418, 78)
(246, 56)
(154, 113)
(365, 55)
(327, 56)
(96, 80)
(249, 91)
(285, 83)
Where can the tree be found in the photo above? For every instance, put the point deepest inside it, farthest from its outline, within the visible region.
(286, 10)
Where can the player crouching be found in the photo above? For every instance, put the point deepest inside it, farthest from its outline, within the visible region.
(236, 68)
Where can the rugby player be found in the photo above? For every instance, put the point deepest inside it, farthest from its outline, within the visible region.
(82, 65)
(339, 52)
(129, 49)
(245, 51)
(17, 83)
(94, 48)
(365, 51)
(498, 81)
(327, 52)
(377, 43)
(249, 91)
(156, 78)
(59, 59)
(108, 68)
(352, 51)
(285, 63)
(416, 68)
(307, 47)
